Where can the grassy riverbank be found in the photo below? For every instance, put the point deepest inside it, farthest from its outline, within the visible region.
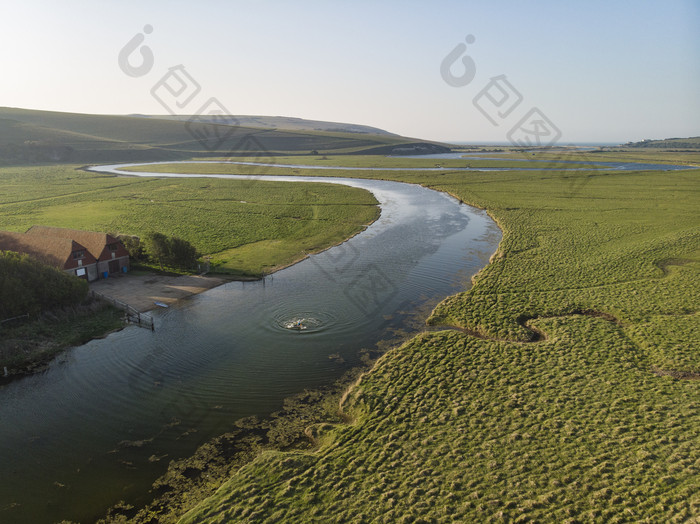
(42, 311)
(574, 402)
(514, 160)
(247, 227)
(26, 346)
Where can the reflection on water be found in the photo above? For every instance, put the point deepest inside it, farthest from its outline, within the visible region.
(106, 418)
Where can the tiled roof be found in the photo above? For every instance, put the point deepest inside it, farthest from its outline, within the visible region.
(93, 241)
(54, 251)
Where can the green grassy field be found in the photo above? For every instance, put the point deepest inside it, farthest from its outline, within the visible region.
(574, 399)
(358, 161)
(564, 390)
(248, 228)
(509, 159)
(689, 158)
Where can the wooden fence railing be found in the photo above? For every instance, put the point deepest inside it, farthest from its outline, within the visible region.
(131, 314)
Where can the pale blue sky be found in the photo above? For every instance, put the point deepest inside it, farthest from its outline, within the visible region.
(600, 71)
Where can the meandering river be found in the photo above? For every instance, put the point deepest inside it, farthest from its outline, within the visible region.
(103, 421)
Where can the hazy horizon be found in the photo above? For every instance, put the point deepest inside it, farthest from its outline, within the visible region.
(597, 72)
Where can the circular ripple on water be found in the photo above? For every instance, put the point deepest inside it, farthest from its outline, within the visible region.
(303, 321)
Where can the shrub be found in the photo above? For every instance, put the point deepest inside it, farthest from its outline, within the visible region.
(28, 286)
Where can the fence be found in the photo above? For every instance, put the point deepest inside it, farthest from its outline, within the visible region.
(130, 314)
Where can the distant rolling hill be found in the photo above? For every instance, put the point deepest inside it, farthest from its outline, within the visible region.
(291, 124)
(30, 136)
(668, 143)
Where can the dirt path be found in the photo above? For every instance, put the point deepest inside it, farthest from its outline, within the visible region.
(140, 292)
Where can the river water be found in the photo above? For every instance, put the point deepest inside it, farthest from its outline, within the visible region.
(103, 421)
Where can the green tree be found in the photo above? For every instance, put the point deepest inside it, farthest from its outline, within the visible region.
(157, 247)
(134, 246)
(172, 251)
(182, 254)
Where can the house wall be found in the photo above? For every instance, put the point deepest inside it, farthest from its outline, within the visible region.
(75, 263)
(107, 254)
(72, 266)
(103, 265)
(90, 272)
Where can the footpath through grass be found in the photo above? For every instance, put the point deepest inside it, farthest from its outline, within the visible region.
(575, 402)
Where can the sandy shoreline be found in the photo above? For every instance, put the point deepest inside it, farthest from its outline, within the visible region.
(142, 291)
